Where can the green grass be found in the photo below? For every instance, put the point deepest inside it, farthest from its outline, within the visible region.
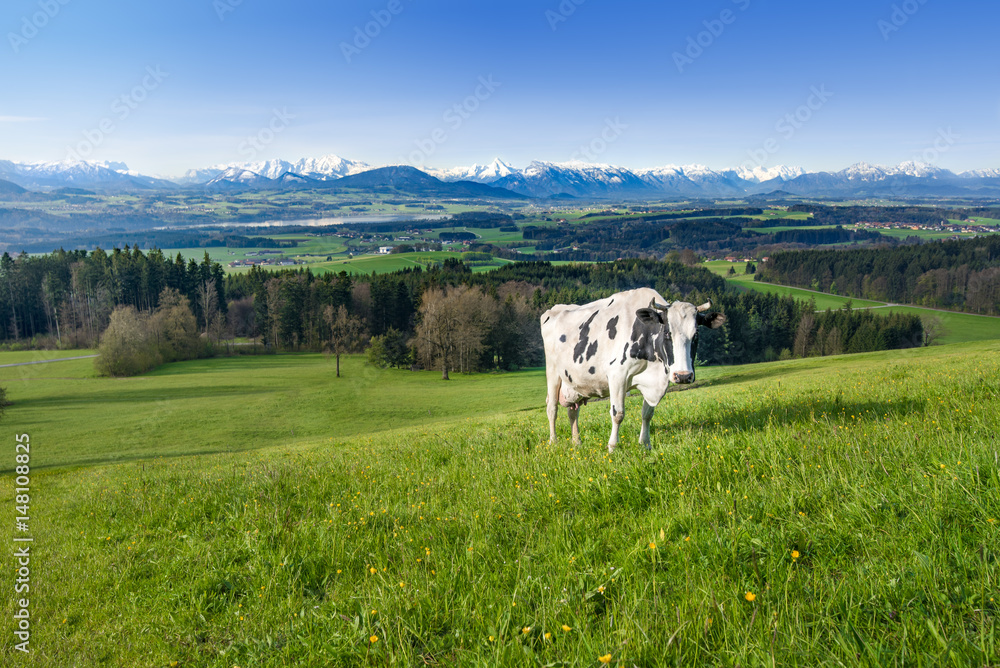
(855, 497)
(958, 327)
(232, 404)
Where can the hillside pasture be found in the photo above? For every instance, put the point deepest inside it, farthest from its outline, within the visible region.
(820, 512)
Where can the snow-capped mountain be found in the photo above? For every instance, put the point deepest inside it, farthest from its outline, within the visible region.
(478, 173)
(237, 177)
(321, 169)
(579, 179)
(538, 179)
(761, 174)
(77, 174)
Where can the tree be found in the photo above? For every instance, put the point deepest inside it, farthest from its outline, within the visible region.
(933, 330)
(346, 332)
(451, 326)
(174, 328)
(389, 349)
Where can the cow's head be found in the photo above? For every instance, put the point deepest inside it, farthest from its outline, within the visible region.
(672, 331)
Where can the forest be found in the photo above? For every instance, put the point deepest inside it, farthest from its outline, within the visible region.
(444, 317)
(962, 275)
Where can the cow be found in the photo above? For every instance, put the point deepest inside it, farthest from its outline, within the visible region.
(630, 340)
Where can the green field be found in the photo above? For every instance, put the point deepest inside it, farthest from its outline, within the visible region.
(821, 512)
(958, 327)
(230, 404)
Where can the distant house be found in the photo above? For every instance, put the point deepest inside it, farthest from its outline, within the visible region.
(384, 250)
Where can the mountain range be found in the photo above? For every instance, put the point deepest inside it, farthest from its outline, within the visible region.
(538, 179)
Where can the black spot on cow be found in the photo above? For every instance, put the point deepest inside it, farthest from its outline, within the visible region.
(611, 302)
(581, 346)
(646, 335)
(614, 411)
(568, 377)
(624, 353)
(547, 319)
(591, 350)
(562, 339)
(613, 328)
(591, 371)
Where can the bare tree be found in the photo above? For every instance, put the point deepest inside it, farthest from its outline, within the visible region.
(451, 327)
(346, 332)
(208, 299)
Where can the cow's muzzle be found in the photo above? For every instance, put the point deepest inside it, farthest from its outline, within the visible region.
(682, 377)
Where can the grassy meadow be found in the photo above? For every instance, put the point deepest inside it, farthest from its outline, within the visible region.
(819, 512)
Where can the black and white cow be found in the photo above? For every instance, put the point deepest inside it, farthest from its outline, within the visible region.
(631, 340)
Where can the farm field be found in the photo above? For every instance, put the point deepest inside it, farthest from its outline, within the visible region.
(958, 327)
(821, 512)
(232, 404)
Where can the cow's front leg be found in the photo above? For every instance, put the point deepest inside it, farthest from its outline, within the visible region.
(617, 415)
(574, 413)
(647, 416)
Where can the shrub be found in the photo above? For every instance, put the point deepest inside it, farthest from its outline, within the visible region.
(127, 349)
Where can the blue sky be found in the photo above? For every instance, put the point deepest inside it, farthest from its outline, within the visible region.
(169, 86)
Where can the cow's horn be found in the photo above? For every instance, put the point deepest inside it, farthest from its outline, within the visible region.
(658, 307)
(704, 307)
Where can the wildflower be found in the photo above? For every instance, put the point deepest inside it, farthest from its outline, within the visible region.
(605, 659)
(492, 638)
(373, 570)
(373, 639)
(652, 546)
(795, 554)
(548, 636)
(601, 589)
(567, 628)
(526, 630)
(750, 596)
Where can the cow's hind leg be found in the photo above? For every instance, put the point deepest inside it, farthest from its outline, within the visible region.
(617, 413)
(552, 405)
(574, 414)
(647, 417)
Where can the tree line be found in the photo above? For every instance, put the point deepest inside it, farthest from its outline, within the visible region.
(445, 317)
(962, 275)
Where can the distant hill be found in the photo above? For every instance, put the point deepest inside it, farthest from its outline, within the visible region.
(412, 181)
(8, 188)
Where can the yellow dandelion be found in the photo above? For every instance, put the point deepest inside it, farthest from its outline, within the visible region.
(373, 570)
(526, 630)
(652, 546)
(605, 659)
(795, 554)
(548, 636)
(373, 639)
(750, 596)
(566, 627)
(492, 638)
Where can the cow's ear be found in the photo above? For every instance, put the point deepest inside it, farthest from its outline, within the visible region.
(712, 320)
(649, 316)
